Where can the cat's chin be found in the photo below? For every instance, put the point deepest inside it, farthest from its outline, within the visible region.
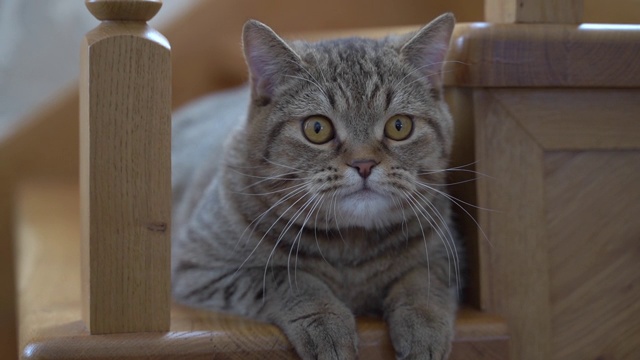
(365, 208)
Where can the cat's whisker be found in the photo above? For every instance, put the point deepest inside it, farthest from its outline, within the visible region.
(436, 226)
(270, 177)
(283, 166)
(335, 217)
(424, 239)
(286, 189)
(458, 202)
(314, 82)
(450, 183)
(451, 197)
(404, 227)
(431, 172)
(275, 246)
(313, 79)
(299, 235)
(261, 216)
(398, 82)
(448, 240)
(315, 228)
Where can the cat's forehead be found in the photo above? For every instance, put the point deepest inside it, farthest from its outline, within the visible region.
(352, 58)
(358, 79)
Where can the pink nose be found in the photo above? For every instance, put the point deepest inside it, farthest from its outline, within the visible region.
(363, 166)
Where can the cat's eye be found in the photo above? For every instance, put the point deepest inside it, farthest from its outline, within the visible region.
(398, 127)
(318, 129)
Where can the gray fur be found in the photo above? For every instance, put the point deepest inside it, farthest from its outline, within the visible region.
(271, 226)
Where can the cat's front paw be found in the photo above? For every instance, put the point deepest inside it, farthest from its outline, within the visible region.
(323, 334)
(417, 334)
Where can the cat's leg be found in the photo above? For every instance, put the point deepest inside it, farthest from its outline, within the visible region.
(318, 325)
(420, 310)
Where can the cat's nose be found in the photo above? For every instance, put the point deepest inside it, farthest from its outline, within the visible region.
(363, 166)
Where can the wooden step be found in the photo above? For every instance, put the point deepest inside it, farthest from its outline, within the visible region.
(50, 325)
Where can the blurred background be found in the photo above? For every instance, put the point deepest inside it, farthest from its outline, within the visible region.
(40, 49)
(40, 39)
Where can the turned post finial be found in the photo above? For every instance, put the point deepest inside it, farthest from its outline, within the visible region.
(125, 170)
(123, 10)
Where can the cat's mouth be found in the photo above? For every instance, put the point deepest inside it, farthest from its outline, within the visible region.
(364, 193)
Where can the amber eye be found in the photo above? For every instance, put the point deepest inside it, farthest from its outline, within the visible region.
(398, 127)
(318, 129)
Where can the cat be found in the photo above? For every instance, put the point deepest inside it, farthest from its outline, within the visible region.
(315, 193)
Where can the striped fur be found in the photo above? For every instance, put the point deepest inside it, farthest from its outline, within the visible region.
(271, 226)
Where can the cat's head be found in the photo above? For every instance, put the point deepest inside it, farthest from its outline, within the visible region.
(356, 128)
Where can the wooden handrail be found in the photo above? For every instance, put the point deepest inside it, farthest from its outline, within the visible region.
(125, 170)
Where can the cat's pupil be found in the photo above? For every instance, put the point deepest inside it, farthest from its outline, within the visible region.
(317, 127)
(398, 125)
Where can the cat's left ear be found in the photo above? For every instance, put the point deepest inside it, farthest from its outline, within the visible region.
(268, 57)
(427, 49)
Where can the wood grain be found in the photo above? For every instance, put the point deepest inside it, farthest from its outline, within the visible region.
(50, 304)
(594, 245)
(563, 248)
(534, 11)
(530, 55)
(513, 262)
(599, 118)
(125, 178)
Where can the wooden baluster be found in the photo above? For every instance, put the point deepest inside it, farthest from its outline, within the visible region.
(534, 11)
(125, 169)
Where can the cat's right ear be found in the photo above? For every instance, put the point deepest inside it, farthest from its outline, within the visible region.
(268, 57)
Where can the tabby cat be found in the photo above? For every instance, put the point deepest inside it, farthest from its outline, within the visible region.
(315, 193)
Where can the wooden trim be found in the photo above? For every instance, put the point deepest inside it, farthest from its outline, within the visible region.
(530, 55)
(513, 263)
(558, 124)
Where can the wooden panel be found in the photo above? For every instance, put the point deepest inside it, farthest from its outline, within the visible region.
(50, 309)
(593, 232)
(513, 262)
(534, 11)
(125, 176)
(508, 55)
(579, 207)
(565, 119)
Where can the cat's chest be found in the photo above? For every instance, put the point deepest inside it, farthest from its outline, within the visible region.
(363, 286)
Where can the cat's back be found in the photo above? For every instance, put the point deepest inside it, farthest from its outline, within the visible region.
(199, 131)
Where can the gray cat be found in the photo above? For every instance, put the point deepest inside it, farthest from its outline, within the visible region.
(316, 193)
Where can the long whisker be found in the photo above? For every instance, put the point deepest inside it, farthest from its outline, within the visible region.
(282, 165)
(438, 228)
(275, 246)
(426, 249)
(299, 236)
(313, 80)
(315, 228)
(286, 189)
(259, 218)
(458, 202)
(447, 239)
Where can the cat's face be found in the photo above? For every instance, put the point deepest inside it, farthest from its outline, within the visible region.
(351, 133)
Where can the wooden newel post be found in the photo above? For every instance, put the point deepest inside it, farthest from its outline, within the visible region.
(125, 169)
